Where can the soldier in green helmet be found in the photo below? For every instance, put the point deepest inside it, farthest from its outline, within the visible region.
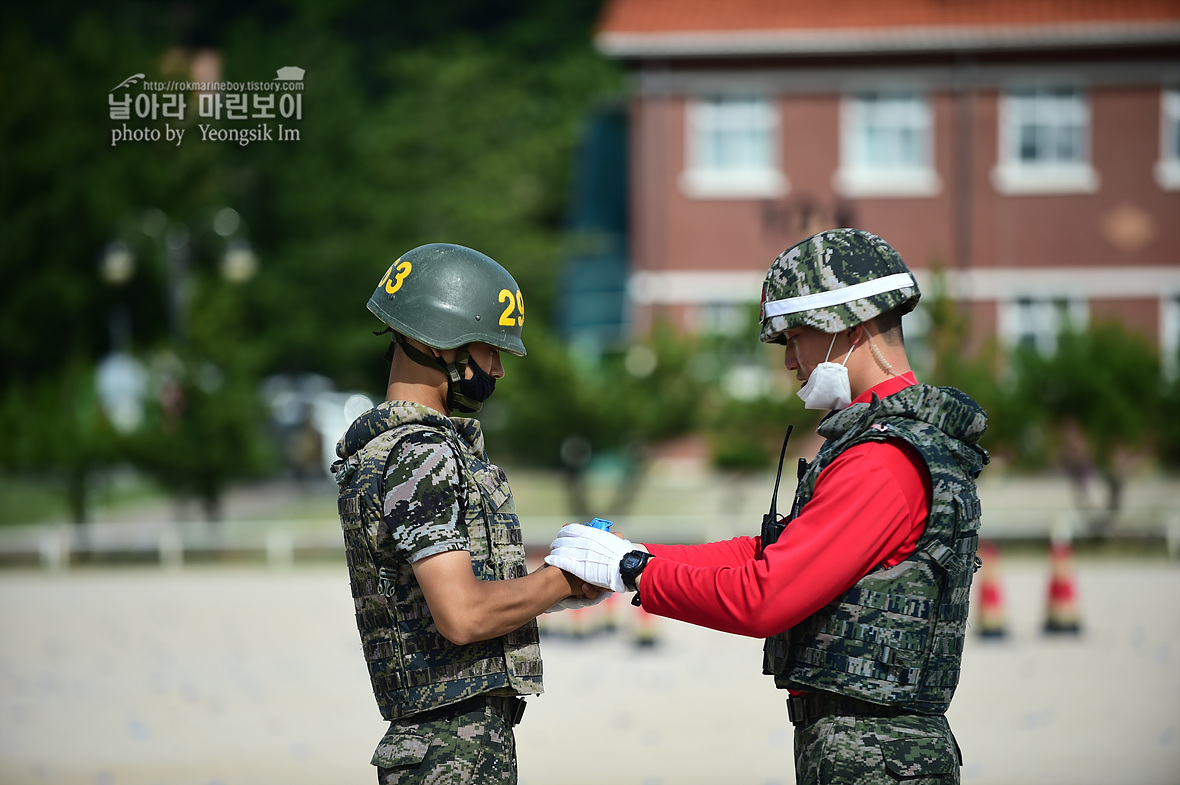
(444, 604)
(861, 591)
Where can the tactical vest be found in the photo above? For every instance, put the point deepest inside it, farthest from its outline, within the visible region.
(896, 637)
(411, 666)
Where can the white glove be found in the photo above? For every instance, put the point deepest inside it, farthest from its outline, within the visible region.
(591, 554)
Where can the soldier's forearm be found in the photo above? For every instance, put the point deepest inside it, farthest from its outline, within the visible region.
(467, 610)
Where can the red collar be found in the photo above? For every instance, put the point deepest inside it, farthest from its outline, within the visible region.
(887, 387)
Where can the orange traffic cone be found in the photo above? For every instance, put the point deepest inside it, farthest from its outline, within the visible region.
(608, 611)
(991, 594)
(645, 629)
(580, 619)
(1061, 614)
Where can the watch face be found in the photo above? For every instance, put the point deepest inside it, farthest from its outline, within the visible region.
(632, 561)
(630, 566)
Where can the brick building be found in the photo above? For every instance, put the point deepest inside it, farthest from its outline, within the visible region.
(1028, 148)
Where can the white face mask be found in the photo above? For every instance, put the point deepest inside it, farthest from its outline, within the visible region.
(828, 386)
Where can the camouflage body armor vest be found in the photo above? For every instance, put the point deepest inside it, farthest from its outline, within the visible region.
(411, 666)
(896, 637)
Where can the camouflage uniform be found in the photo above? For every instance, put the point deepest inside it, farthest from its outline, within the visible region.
(881, 662)
(413, 484)
(859, 750)
(475, 747)
(877, 666)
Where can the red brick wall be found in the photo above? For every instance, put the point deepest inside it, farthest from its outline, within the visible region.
(1129, 221)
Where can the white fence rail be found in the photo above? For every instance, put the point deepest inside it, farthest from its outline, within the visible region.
(282, 543)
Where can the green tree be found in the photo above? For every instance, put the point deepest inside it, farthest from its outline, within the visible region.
(1168, 424)
(58, 432)
(455, 125)
(67, 192)
(1097, 403)
(558, 409)
(749, 404)
(203, 432)
(454, 122)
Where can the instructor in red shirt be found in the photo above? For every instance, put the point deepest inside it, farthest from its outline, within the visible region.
(861, 591)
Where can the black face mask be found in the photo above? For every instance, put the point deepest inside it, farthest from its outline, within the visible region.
(466, 395)
(475, 390)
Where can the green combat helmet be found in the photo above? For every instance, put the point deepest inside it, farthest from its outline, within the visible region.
(834, 281)
(447, 296)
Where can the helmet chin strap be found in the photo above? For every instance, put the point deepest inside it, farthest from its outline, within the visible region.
(454, 372)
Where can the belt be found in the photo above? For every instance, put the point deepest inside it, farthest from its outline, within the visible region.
(508, 708)
(812, 706)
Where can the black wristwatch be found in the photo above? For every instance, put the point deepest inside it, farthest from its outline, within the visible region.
(631, 565)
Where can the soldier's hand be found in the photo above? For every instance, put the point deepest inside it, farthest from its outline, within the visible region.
(582, 595)
(591, 554)
(579, 588)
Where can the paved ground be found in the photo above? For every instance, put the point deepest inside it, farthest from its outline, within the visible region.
(250, 676)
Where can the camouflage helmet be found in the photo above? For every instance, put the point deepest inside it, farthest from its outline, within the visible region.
(833, 281)
(448, 296)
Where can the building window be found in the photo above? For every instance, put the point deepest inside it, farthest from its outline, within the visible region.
(725, 319)
(1044, 142)
(1167, 169)
(1170, 336)
(732, 149)
(1037, 322)
(919, 347)
(886, 146)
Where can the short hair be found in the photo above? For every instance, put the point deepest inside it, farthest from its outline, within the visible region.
(889, 325)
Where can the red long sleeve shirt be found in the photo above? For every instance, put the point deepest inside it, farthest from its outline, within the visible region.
(869, 508)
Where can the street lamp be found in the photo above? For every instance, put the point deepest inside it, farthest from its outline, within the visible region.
(173, 241)
(239, 262)
(121, 379)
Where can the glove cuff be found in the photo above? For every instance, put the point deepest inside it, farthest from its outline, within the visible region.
(631, 565)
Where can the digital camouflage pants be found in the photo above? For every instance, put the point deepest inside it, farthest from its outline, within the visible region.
(842, 750)
(476, 748)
